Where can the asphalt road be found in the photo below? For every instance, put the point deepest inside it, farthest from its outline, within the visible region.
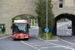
(62, 29)
(66, 42)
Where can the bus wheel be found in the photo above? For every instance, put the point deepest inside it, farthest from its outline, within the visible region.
(14, 39)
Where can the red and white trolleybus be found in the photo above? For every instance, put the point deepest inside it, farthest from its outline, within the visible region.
(20, 29)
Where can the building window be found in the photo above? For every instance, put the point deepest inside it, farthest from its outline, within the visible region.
(60, 3)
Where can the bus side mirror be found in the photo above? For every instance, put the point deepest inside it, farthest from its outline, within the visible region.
(11, 27)
(28, 26)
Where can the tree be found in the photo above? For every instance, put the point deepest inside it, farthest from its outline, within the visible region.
(14, 19)
(41, 15)
(22, 16)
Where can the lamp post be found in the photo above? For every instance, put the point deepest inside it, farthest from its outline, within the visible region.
(46, 18)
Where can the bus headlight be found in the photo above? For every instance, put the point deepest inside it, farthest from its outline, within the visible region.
(26, 36)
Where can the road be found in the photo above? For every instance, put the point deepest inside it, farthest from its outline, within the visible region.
(64, 43)
(62, 29)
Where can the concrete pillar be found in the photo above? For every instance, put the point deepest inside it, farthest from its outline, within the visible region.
(8, 28)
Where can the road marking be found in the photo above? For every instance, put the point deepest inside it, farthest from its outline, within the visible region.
(6, 37)
(63, 29)
(52, 43)
(66, 28)
(59, 45)
(66, 47)
(66, 41)
(37, 45)
(44, 47)
(32, 43)
(68, 33)
(27, 44)
(38, 49)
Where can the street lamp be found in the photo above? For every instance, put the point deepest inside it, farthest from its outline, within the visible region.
(46, 18)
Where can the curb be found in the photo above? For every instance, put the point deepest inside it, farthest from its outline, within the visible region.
(73, 36)
(5, 37)
(53, 40)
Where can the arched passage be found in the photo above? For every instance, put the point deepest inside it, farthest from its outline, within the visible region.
(68, 16)
(31, 21)
(30, 18)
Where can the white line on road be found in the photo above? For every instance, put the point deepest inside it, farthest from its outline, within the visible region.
(61, 45)
(68, 33)
(38, 49)
(5, 37)
(45, 47)
(32, 43)
(66, 41)
(37, 45)
(66, 47)
(42, 45)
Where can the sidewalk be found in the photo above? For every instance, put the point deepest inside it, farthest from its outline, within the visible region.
(54, 38)
(3, 36)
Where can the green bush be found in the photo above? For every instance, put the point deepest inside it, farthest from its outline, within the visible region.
(43, 35)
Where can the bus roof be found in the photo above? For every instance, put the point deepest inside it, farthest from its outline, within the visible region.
(20, 21)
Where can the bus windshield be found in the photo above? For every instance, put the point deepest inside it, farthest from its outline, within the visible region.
(20, 28)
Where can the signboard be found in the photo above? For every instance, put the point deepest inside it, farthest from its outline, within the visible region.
(46, 30)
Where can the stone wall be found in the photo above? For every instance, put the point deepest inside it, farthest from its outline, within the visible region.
(68, 7)
(11, 8)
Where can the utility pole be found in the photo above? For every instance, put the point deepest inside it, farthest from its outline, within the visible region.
(46, 18)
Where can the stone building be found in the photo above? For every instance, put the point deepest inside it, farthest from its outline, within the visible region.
(64, 9)
(11, 8)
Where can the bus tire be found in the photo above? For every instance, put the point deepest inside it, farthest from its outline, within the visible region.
(28, 39)
(13, 39)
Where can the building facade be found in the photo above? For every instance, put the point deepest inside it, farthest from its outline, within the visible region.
(63, 6)
(11, 8)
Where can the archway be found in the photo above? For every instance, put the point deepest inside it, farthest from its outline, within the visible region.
(68, 16)
(32, 21)
(30, 18)
(64, 27)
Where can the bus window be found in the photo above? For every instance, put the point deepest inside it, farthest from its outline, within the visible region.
(20, 28)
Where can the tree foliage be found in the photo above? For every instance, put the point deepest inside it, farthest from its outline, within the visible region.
(22, 16)
(41, 15)
(14, 19)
